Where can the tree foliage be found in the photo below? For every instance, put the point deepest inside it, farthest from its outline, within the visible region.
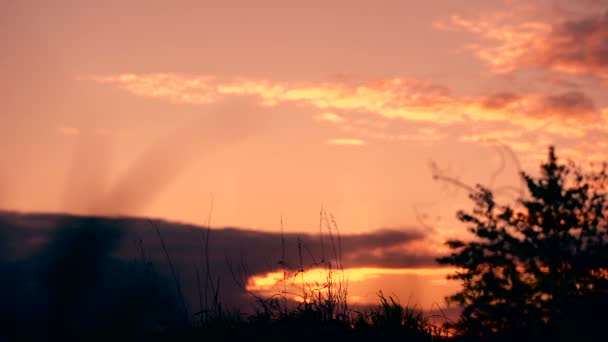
(539, 263)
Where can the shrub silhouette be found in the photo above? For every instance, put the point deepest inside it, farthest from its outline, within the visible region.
(539, 265)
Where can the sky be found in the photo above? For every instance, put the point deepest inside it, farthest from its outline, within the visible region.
(260, 114)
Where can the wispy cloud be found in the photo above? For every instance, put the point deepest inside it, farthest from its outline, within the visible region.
(570, 113)
(575, 43)
(511, 138)
(172, 87)
(346, 141)
(330, 117)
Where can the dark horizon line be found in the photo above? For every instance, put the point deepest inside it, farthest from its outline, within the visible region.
(180, 223)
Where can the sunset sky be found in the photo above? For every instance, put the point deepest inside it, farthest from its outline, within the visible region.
(270, 110)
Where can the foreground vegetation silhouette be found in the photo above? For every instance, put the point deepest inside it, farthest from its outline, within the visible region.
(538, 267)
(70, 278)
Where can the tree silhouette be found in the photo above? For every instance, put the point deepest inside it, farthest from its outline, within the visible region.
(540, 264)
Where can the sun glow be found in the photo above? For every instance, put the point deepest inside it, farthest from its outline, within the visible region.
(298, 285)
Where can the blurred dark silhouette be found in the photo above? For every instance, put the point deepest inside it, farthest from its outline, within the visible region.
(74, 288)
(539, 266)
(82, 277)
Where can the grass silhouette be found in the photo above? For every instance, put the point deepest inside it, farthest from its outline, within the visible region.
(321, 310)
(76, 285)
(76, 288)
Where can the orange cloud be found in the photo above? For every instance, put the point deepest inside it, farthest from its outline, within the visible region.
(330, 117)
(172, 87)
(577, 46)
(567, 114)
(568, 45)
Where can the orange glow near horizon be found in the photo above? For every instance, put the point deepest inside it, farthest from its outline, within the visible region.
(319, 275)
(275, 282)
